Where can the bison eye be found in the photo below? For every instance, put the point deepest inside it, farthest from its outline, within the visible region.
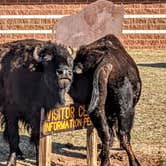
(70, 73)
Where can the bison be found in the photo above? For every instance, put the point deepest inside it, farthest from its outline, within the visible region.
(33, 75)
(110, 85)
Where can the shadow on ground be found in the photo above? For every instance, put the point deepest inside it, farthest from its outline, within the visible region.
(157, 65)
(28, 150)
(68, 150)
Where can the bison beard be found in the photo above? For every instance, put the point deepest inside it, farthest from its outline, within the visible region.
(33, 74)
(114, 93)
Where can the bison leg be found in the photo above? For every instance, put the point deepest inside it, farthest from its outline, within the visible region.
(111, 122)
(97, 109)
(125, 143)
(12, 137)
(125, 124)
(99, 121)
(35, 139)
(19, 154)
(37, 153)
(125, 120)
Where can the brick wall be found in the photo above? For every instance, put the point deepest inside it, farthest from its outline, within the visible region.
(132, 39)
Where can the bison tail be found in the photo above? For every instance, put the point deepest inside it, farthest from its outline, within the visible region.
(95, 92)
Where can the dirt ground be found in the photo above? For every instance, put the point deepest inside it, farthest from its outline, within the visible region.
(149, 130)
(67, 154)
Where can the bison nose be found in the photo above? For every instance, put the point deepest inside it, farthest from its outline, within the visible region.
(64, 72)
(60, 72)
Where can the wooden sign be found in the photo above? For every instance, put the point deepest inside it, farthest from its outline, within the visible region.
(67, 118)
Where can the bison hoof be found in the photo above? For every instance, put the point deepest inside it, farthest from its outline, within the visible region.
(105, 163)
(20, 157)
(135, 163)
(12, 160)
(104, 156)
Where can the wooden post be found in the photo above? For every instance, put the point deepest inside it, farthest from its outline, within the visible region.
(45, 151)
(44, 146)
(91, 147)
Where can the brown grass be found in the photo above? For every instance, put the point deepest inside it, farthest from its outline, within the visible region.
(149, 132)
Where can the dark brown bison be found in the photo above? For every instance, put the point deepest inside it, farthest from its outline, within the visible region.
(111, 79)
(33, 75)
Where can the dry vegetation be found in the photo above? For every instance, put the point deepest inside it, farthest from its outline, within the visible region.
(148, 134)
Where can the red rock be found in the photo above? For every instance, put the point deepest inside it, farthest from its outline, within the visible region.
(93, 22)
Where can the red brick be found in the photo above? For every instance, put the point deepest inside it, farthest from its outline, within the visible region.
(162, 10)
(82, 1)
(163, 42)
(58, 1)
(10, 12)
(45, 1)
(34, 1)
(11, 1)
(23, 2)
(2, 2)
(70, 1)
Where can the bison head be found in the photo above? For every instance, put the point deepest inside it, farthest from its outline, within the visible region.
(57, 66)
(87, 59)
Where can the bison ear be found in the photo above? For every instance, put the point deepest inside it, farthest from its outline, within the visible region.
(78, 68)
(47, 58)
(36, 53)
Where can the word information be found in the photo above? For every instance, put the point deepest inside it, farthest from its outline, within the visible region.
(67, 118)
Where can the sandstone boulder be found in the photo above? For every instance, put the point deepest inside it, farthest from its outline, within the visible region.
(93, 22)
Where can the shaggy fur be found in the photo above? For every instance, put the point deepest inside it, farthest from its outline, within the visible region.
(113, 82)
(33, 74)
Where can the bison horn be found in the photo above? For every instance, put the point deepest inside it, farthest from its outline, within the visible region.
(72, 51)
(98, 52)
(36, 54)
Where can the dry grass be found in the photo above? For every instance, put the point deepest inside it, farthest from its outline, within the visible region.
(149, 132)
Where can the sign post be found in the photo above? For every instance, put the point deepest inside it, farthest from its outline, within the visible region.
(45, 151)
(91, 147)
(67, 118)
(44, 145)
